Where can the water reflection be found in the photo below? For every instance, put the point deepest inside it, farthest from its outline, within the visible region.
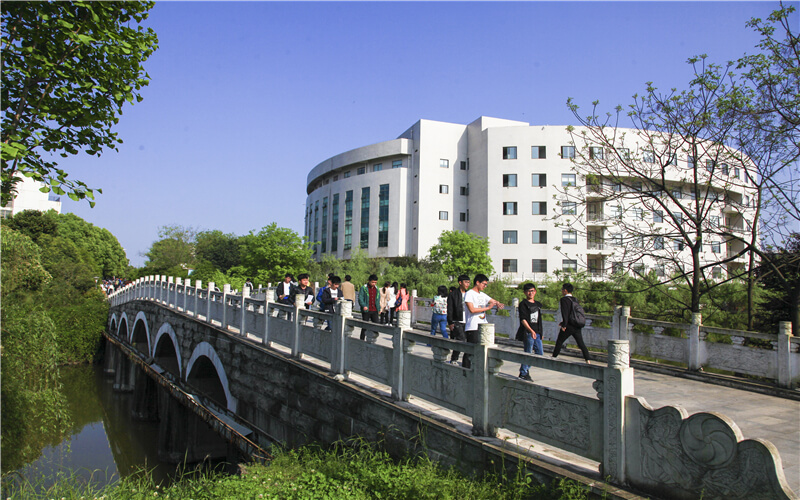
(104, 442)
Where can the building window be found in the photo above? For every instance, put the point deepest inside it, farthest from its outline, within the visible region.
(659, 270)
(348, 220)
(690, 162)
(677, 245)
(510, 153)
(335, 178)
(538, 152)
(335, 223)
(377, 167)
(616, 268)
(509, 208)
(678, 218)
(383, 215)
(596, 153)
(724, 168)
(715, 247)
(539, 237)
(569, 237)
(709, 165)
(673, 160)
(636, 186)
(509, 180)
(444, 189)
(736, 172)
(658, 216)
(615, 212)
(365, 217)
(324, 225)
(316, 224)
(658, 243)
(538, 180)
(464, 165)
(624, 153)
(361, 170)
(677, 193)
(638, 213)
(444, 163)
(539, 208)
(648, 157)
(716, 272)
(397, 163)
(568, 180)
(509, 265)
(569, 266)
(616, 187)
(638, 269)
(346, 174)
(569, 208)
(443, 215)
(464, 190)
(713, 221)
(462, 217)
(509, 237)
(615, 240)
(539, 265)
(567, 152)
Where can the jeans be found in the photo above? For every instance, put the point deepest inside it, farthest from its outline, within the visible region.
(529, 344)
(440, 321)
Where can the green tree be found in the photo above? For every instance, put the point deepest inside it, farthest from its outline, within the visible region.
(67, 70)
(108, 255)
(458, 253)
(221, 250)
(781, 276)
(173, 253)
(272, 252)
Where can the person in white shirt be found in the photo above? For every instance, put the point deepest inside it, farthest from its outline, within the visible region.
(284, 289)
(476, 304)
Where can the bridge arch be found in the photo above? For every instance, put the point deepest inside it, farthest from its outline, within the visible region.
(140, 334)
(122, 327)
(166, 352)
(204, 359)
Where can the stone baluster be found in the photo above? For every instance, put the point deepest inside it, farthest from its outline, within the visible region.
(412, 307)
(344, 310)
(481, 426)
(400, 347)
(267, 316)
(785, 368)
(617, 386)
(299, 303)
(695, 361)
(243, 322)
(211, 287)
(226, 290)
(180, 301)
(198, 285)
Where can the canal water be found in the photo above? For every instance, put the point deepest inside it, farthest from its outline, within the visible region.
(104, 442)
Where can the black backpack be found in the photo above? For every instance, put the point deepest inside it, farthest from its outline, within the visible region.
(577, 316)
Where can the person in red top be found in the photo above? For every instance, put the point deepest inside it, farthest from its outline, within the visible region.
(369, 299)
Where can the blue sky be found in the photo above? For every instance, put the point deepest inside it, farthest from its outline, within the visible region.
(247, 97)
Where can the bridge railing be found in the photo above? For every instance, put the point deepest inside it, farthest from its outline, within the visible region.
(632, 442)
(773, 356)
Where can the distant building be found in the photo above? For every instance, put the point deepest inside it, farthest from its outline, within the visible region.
(29, 197)
(498, 178)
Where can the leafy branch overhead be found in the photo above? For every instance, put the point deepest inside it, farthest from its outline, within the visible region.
(67, 70)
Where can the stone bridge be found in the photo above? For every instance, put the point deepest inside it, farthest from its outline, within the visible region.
(270, 372)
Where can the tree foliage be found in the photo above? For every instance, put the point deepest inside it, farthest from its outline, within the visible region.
(219, 249)
(267, 255)
(458, 253)
(67, 70)
(174, 253)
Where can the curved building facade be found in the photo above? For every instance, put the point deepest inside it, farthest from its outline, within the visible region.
(515, 183)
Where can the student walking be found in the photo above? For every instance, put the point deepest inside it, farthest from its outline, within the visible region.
(570, 325)
(476, 304)
(369, 299)
(455, 314)
(439, 316)
(530, 327)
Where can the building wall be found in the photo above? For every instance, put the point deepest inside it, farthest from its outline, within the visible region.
(30, 198)
(420, 209)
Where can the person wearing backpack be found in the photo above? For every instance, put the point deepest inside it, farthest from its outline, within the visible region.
(573, 319)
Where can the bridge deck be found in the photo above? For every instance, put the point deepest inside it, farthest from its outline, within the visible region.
(757, 415)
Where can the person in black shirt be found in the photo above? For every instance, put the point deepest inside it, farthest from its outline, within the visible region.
(455, 314)
(565, 328)
(530, 327)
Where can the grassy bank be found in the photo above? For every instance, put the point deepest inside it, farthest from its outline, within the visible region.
(359, 472)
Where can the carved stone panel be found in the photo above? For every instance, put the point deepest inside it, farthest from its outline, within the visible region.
(370, 360)
(566, 420)
(316, 343)
(703, 455)
(441, 383)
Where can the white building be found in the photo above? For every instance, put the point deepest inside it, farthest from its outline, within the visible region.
(29, 197)
(498, 178)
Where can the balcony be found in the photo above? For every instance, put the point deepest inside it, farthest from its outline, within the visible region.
(597, 191)
(732, 207)
(600, 247)
(598, 219)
